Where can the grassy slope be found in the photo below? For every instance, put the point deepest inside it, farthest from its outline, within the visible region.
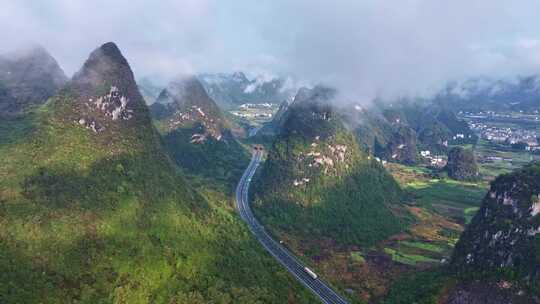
(82, 220)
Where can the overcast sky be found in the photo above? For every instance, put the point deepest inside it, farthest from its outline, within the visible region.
(364, 47)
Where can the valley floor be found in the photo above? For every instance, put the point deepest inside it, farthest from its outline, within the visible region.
(441, 208)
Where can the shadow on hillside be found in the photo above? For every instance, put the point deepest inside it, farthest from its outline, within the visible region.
(109, 181)
(16, 128)
(361, 207)
(152, 255)
(221, 162)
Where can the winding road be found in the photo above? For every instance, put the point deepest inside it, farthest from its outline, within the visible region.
(280, 253)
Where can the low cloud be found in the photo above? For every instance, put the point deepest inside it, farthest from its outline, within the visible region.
(377, 48)
(364, 48)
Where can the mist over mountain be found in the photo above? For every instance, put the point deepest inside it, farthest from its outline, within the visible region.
(405, 49)
(196, 132)
(235, 89)
(149, 90)
(28, 77)
(489, 93)
(184, 102)
(306, 186)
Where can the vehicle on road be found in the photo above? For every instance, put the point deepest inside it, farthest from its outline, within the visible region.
(311, 273)
(276, 248)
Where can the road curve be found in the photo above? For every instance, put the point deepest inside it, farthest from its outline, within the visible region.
(280, 253)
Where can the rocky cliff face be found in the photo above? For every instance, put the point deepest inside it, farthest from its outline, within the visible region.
(185, 104)
(107, 96)
(504, 236)
(501, 292)
(462, 164)
(28, 77)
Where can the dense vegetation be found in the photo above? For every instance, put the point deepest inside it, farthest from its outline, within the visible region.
(462, 164)
(503, 236)
(434, 124)
(216, 162)
(183, 113)
(106, 217)
(396, 132)
(317, 183)
(420, 288)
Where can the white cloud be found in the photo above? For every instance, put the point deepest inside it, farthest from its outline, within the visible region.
(365, 48)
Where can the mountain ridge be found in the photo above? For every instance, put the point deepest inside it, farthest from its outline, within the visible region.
(317, 183)
(28, 77)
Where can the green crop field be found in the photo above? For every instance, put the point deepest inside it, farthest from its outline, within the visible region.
(492, 169)
(448, 197)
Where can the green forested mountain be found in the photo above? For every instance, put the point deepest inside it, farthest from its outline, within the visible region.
(316, 182)
(197, 134)
(435, 125)
(394, 132)
(93, 210)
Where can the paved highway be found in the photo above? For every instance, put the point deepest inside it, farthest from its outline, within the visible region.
(280, 253)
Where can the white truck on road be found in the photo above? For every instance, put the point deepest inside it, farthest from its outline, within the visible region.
(311, 273)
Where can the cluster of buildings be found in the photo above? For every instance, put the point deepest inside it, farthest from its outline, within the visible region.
(437, 161)
(251, 115)
(531, 115)
(493, 159)
(259, 111)
(257, 106)
(507, 135)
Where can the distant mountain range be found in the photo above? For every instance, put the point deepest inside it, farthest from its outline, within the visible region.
(149, 90)
(483, 93)
(233, 89)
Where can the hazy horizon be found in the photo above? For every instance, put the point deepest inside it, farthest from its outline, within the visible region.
(364, 48)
